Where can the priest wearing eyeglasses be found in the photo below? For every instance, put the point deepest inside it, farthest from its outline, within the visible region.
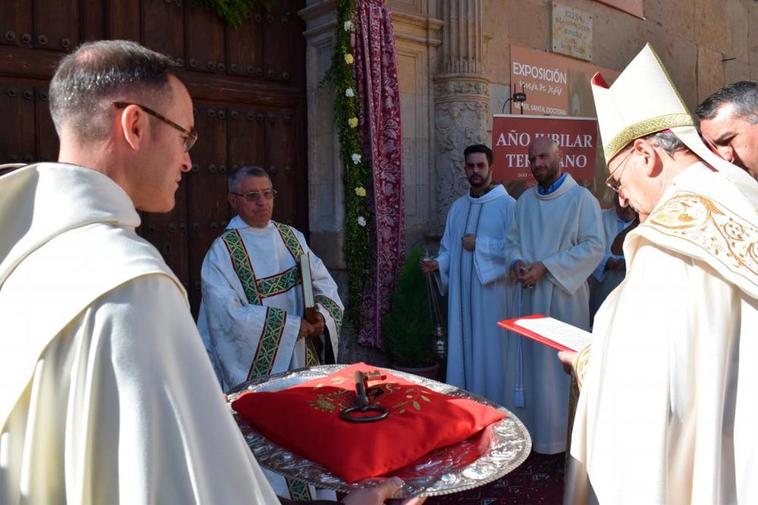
(252, 314)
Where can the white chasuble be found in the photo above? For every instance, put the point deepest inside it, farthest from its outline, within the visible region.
(478, 291)
(563, 230)
(667, 411)
(106, 392)
(252, 307)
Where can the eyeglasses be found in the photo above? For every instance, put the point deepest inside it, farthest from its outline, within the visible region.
(189, 137)
(613, 182)
(254, 196)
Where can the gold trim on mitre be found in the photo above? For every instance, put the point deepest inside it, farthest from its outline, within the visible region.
(643, 128)
(642, 100)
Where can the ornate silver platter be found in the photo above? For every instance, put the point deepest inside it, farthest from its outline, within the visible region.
(503, 445)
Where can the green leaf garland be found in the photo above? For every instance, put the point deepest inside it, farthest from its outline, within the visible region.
(357, 180)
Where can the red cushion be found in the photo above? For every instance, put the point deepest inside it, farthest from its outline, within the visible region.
(305, 419)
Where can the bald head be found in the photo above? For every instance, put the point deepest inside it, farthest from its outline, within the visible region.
(544, 143)
(545, 160)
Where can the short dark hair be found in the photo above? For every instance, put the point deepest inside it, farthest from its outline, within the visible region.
(98, 73)
(242, 173)
(478, 148)
(667, 141)
(743, 95)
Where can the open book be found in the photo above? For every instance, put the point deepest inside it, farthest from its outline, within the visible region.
(548, 331)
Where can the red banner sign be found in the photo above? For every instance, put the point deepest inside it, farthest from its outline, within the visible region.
(511, 135)
(554, 85)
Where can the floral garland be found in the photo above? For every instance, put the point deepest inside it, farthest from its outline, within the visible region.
(356, 177)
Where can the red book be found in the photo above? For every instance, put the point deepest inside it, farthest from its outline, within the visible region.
(548, 331)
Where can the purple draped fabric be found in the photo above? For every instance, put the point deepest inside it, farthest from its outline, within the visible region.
(376, 77)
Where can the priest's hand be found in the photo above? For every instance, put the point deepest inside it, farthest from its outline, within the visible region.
(379, 495)
(429, 266)
(469, 241)
(519, 269)
(533, 273)
(312, 329)
(567, 360)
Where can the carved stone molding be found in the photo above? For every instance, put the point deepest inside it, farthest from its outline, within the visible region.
(457, 125)
(462, 36)
(461, 98)
(461, 115)
(325, 200)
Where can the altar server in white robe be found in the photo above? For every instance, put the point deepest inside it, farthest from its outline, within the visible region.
(106, 393)
(667, 411)
(612, 268)
(473, 267)
(557, 241)
(252, 314)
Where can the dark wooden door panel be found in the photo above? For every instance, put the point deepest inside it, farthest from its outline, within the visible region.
(122, 19)
(18, 126)
(56, 24)
(246, 139)
(244, 48)
(283, 53)
(162, 26)
(280, 163)
(46, 140)
(15, 22)
(169, 234)
(207, 209)
(205, 42)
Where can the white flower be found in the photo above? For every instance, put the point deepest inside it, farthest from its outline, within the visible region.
(361, 220)
(349, 93)
(356, 158)
(349, 26)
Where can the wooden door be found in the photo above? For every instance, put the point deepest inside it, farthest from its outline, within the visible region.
(247, 84)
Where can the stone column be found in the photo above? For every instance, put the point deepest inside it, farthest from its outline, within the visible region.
(461, 98)
(325, 199)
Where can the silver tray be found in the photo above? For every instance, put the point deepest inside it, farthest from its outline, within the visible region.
(442, 471)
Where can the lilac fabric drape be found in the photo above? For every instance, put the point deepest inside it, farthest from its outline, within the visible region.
(376, 77)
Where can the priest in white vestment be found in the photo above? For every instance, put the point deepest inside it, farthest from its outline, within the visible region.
(252, 314)
(473, 267)
(106, 393)
(612, 268)
(556, 241)
(667, 411)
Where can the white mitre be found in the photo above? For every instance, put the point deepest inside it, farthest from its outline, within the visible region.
(643, 100)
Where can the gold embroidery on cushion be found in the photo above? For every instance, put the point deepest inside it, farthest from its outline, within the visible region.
(412, 397)
(334, 401)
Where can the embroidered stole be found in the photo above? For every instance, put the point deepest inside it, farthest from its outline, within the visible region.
(702, 228)
(256, 290)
